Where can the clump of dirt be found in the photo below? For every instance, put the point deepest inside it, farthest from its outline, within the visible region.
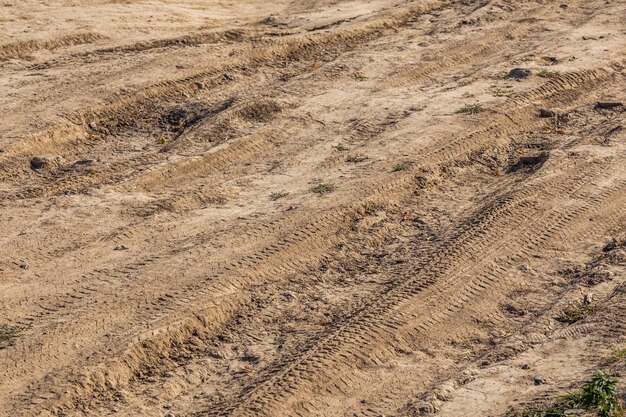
(260, 111)
(180, 118)
(529, 163)
(8, 334)
(576, 312)
(519, 73)
(38, 163)
(43, 163)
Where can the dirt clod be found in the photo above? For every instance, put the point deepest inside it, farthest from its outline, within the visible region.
(519, 73)
(38, 163)
(608, 105)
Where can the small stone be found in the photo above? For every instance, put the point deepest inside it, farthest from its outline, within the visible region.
(169, 414)
(167, 406)
(546, 113)
(23, 266)
(525, 366)
(38, 163)
(519, 73)
(588, 298)
(200, 85)
(540, 379)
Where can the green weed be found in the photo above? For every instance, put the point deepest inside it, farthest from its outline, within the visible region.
(471, 109)
(546, 73)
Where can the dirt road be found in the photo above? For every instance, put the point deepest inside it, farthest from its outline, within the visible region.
(311, 208)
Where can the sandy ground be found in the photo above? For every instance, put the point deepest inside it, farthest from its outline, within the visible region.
(255, 208)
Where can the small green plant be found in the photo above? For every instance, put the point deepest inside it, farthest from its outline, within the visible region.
(341, 148)
(576, 312)
(278, 195)
(618, 355)
(546, 73)
(400, 167)
(471, 109)
(8, 334)
(600, 394)
(323, 189)
(354, 159)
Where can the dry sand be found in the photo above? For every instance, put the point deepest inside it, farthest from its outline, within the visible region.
(257, 208)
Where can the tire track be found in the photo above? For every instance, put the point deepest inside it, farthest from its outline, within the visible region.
(383, 192)
(373, 323)
(22, 49)
(325, 46)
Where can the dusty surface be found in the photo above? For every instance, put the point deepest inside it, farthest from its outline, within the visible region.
(255, 208)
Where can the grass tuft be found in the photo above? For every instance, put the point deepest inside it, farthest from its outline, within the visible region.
(618, 355)
(354, 159)
(402, 166)
(471, 109)
(546, 73)
(323, 189)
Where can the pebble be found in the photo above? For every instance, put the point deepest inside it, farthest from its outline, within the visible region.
(540, 379)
